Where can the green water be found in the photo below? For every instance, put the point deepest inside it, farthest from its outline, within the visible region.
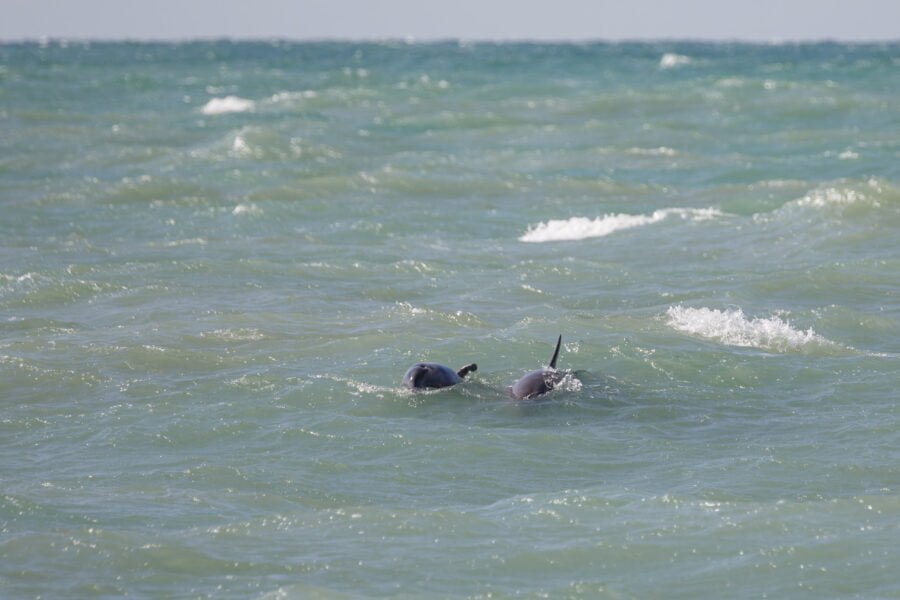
(217, 260)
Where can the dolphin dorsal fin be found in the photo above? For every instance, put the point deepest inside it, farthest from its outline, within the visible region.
(556, 352)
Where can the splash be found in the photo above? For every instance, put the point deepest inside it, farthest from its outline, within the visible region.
(579, 228)
(733, 328)
(569, 382)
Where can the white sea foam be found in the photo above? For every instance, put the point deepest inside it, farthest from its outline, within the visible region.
(197, 241)
(247, 209)
(579, 228)
(293, 96)
(26, 278)
(831, 197)
(240, 146)
(829, 200)
(660, 151)
(670, 60)
(409, 309)
(240, 334)
(228, 104)
(570, 383)
(733, 328)
(730, 82)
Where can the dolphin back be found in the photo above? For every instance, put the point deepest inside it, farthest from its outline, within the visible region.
(425, 375)
(538, 382)
(531, 385)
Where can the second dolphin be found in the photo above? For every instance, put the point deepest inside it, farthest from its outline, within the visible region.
(540, 381)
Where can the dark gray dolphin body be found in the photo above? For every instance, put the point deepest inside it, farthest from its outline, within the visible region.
(432, 375)
(538, 382)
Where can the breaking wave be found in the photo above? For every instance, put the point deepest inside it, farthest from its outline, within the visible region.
(733, 328)
(822, 198)
(579, 228)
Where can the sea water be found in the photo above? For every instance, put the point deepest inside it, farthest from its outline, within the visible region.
(218, 259)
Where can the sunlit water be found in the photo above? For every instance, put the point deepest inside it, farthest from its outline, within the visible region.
(217, 260)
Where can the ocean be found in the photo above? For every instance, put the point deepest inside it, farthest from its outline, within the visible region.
(218, 259)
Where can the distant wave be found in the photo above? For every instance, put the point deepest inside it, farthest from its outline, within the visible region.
(228, 104)
(733, 328)
(579, 228)
(670, 60)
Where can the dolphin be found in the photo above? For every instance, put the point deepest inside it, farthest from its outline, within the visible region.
(538, 382)
(432, 375)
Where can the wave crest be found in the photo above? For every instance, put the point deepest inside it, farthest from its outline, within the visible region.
(579, 228)
(733, 328)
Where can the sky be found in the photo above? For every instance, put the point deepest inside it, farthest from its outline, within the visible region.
(746, 20)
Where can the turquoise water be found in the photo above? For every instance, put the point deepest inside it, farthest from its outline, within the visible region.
(217, 260)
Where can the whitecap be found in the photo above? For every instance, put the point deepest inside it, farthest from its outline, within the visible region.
(831, 197)
(579, 228)
(660, 151)
(247, 209)
(240, 146)
(730, 82)
(530, 288)
(228, 104)
(256, 383)
(835, 199)
(240, 334)
(671, 60)
(408, 309)
(197, 241)
(288, 97)
(26, 278)
(731, 327)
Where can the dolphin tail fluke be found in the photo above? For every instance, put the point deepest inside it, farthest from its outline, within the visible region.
(467, 369)
(556, 352)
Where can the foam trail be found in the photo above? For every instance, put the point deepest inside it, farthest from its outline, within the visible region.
(733, 328)
(579, 228)
(228, 104)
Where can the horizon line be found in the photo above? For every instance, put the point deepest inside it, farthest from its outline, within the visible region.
(414, 40)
